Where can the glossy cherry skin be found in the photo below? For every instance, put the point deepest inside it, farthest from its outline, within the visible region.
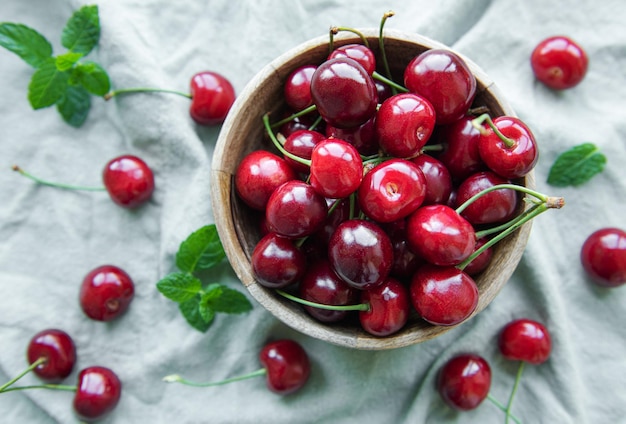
(405, 260)
(464, 381)
(287, 364)
(559, 62)
(344, 93)
(362, 137)
(322, 285)
(257, 176)
(297, 88)
(106, 293)
(361, 253)
(97, 393)
(439, 235)
(460, 154)
(301, 143)
(277, 262)
(438, 179)
(295, 210)
(212, 96)
(59, 351)
(358, 52)
(443, 295)
(525, 340)
(392, 190)
(603, 256)
(493, 207)
(482, 261)
(445, 80)
(404, 123)
(336, 168)
(389, 308)
(128, 180)
(509, 161)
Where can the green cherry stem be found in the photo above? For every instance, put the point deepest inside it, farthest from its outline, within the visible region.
(478, 124)
(381, 46)
(279, 146)
(541, 197)
(42, 386)
(117, 92)
(175, 378)
(357, 307)
(389, 82)
(518, 377)
(335, 30)
(54, 184)
(502, 408)
(293, 116)
(22, 374)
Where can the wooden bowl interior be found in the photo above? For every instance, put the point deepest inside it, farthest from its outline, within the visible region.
(238, 225)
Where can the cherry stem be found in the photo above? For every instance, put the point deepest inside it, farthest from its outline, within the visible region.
(175, 378)
(357, 307)
(42, 386)
(541, 197)
(389, 82)
(518, 377)
(268, 128)
(381, 46)
(335, 30)
(477, 123)
(54, 184)
(291, 117)
(502, 408)
(315, 123)
(23, 373)
(114, 93)
(502, 227)
(433, 148)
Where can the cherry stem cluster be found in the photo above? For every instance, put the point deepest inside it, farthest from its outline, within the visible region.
(114, 93)
(55, 184)
(503, 409)
(478, 124)
(6, 387)
(175, 378)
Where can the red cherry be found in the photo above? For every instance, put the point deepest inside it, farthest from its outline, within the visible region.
(603, 257)
(493, 207)
(559, 62)
(287, 364)
(460, 154)
(297, 89)
(482, 261)
(525, 340)
(336, 168)
(464, 381)
(59, 352)
(438, 179)
(301, 143)
(358, 52)
(128, 180)
(277, 262)
(106, 293)
(97, 393)
(389, 308)
(363, 137)
(212, 96)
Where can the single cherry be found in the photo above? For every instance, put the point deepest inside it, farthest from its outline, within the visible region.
(358, 52)
(389, 307)
(362, 137)
(98, 392)
(301, 143)
(525, 340)
(482, 261)
(58, 352)
(438, 179)
(460, 154)
(212, 96)
(464, 381)
(277, 262)
(559, 62)
(297, 88)
(128, 180)
(603, 256)
(106, 293)
(336, 168)
(493, 207)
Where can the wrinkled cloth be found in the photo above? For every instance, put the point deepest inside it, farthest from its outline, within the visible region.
(50, 239)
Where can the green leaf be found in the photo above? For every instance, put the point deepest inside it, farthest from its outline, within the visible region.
(82, 31)
(191, 311)
(179, 287)
(221, 298)
(201, 250)
(27, 43)
(47, 85)
(92, 77)
(67, 60)
(74, 105)
(576, 165)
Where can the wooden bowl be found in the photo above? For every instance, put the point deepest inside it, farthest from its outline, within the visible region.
(237, 225)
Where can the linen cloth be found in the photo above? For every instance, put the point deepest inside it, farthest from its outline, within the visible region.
(49, 239)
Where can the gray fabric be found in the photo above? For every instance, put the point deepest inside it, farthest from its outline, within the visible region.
(50, 239)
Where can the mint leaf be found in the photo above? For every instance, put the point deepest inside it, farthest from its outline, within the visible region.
(201, 250)
(229, 301)
(206, 299)
(179, 286)
(82, 31)
(576, 165)
(47, 85)
(27, 43)
(74, 105)
(66, 61)
(92, 77)
(191, 311)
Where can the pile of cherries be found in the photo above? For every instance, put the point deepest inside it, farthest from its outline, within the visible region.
(385, 197)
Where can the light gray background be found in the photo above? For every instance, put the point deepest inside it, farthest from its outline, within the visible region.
(50, 239)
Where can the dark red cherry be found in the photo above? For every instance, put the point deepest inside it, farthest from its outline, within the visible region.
(443, 295)
(336, 168)
(304, 122)
(438, 179)
(277, 262)
(257, 176)
(439, 235)
(493, 207)
(358, 52)
(460, 154)
(58, 350)
(287, 364)
(361, 254)
(603, 256)
(295, 210)
(405, 260)
(482, 261)
(128, 180)
(392, 190)
(212, 96)
(389, 307)
(322, 285)
(363, 137)
(297, 89)
(344, 93)
(301, 143)
(98, 392)
(106, 293)
(384, 91)
(559, 62)
(445, 80)
(464, 381)
(404, 123)
(525, 340)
